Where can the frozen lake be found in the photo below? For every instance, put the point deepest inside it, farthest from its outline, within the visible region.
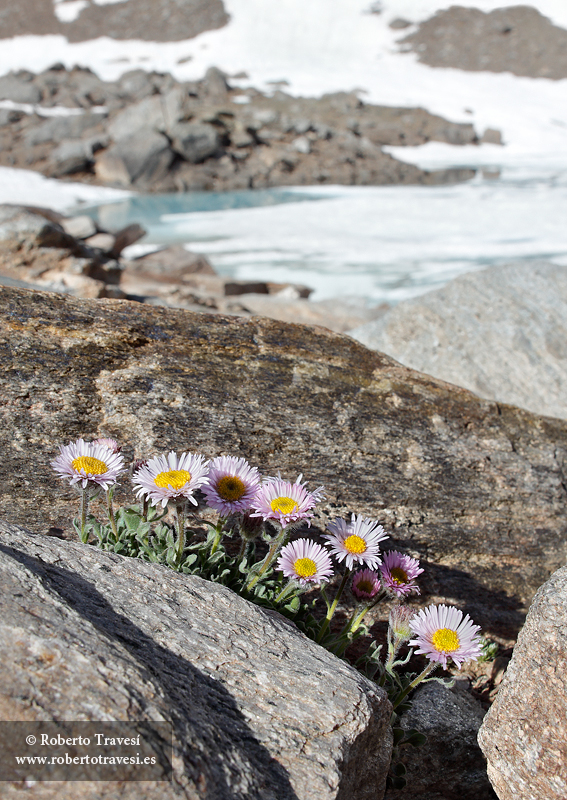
(385, 243)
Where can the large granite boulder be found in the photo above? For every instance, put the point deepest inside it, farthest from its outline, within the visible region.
(258, 710)
(518, 39)
(476, 490)
(500, 332)
(524, 735)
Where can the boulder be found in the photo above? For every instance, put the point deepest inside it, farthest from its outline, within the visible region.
(80, 227)
(19, 89)
(258, 711)
(142, 158)
(524, 735)
(474, 489)
(70, 156)
(500, 332)
(450, 765)
(56, 129)
(172, 263)
(144, 116)
(195, 141)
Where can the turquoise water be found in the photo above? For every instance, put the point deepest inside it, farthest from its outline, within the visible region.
(384, 243)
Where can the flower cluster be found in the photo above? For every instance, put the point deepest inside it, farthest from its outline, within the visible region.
(256, 506)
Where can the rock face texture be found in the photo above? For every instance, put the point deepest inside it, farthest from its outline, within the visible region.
(156, 134)
(450, 765)
(524, 735)
(258, 711)
(501, 332)
(152, 20)
(517, 39)
(476, 490)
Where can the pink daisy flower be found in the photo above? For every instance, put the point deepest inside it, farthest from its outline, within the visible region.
(231, 485)
(441, 633)
(356, 542)
(365, 584)
(88, 463)
(171, 477)
(305, 561)
(285, 502)
(399, 572)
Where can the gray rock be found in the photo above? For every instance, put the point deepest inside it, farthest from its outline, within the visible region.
(259, 712)
(102, 241)
(55, 129)
(143, 157)
(524, 735)
(146, 115)
(500, 332)
(173, 262)
(195, 141)
(15, 220)
(69, 157)
(18, 89)
(450, 765)
(80, 227)
(474, 489)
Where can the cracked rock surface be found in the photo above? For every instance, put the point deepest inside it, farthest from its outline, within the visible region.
(524, 735)
(259, 712)
(473, 488)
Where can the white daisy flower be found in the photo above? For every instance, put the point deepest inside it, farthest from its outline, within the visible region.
(88, 463)
(285, 502)
(442, 633)
(305, 561)
(171, 477)
(356, 542)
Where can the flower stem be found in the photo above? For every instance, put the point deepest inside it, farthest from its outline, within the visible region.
(285, 592)
(333, 607)
(180, 509)
(84, 509)
(218, 534)
(422, 675)
(111, 516)
(267, 562)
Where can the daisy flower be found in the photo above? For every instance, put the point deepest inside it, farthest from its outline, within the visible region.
(231, 485)
(285, 502)
(88, 463)
(443, 633)
(305, 561)
(356, 542)
(365, 584)
(399, 572)
(171, 477)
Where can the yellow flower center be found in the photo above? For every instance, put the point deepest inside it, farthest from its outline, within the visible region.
(305, 567)
(355, 544)
(365, 586)
(285, 505)
(445, 640)
(92, 466)
(230, 488)
(399, 576)
(176, 478)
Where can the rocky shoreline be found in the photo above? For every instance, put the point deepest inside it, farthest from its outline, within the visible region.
(151, 133)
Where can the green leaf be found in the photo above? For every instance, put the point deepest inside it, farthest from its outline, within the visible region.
(399, 769)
